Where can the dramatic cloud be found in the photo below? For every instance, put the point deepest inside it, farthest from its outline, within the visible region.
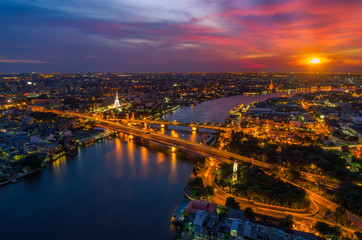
(3, 60)
(189, 35)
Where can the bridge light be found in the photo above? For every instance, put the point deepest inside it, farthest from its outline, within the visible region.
(194, 128)
(131, 137)
(173, 149)
(162, 125)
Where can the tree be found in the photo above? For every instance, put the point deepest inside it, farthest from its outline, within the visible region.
(325, 230)
(249, 214)
(32, 161)
(341, 216)
(209, 190)
(349, 195)
(231, 203)
(226, 169)
(359, 235)
(335, 231)
(345, 149)
(322, 228)
(197, 182)
(287, 222)
(196, 170)
(293, 174)
(202, 161)
(3, 155)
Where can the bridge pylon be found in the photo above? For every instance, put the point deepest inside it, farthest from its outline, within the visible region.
(194, 129)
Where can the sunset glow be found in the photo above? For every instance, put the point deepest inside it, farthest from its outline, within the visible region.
(190, 35)
(315, 61)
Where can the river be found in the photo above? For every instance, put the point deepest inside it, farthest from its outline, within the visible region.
(214, 110)
(114, 189)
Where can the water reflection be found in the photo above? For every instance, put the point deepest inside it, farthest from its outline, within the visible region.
(173, 172)
(174, 134)
(131, 156)
(59, 166)
(160, 157)
(115, 157)
(193, 137)
(121, 207)
(145, 157)
(214, 110)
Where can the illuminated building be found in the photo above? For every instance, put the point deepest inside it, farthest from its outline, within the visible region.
(116, 102)
(235, 172)
(271, 86)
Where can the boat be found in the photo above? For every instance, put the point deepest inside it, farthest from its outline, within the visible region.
(13, 180)
(178, 216)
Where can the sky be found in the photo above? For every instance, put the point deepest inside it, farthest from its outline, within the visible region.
(180, 36)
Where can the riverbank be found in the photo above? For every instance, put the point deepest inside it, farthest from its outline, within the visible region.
(15, 179)
(53, 157)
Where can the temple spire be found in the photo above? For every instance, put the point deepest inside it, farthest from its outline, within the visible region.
(116, 102)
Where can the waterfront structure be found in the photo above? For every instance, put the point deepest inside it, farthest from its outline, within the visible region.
(207, 225)
(116, 101)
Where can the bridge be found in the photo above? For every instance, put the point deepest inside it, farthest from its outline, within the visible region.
(209, 152)
(193, 126)
(189, 146)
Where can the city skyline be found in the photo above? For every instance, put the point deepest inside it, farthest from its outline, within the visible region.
(213, 36)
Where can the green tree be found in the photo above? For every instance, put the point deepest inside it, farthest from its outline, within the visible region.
(3, 155)
(197, 182)
(335, 232)
(345, 149)
(287, 222)
(293, 174)
(32, 161)
(322, 228)
(249, 214)
(202, 161)
(209, 191)
(196, 170)
(231, 203)
(341, 216)
(359, 235)
(325, 230)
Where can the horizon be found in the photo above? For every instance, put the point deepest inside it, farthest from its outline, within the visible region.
(187, 36)
(195, 72)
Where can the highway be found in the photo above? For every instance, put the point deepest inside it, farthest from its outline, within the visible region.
(166, 123)
(208, 151)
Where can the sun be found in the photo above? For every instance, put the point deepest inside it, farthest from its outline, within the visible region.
(315, 60)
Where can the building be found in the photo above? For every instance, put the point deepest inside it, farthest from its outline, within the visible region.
(116, 101)
(208, 225)
(194, 206)
(271, 86)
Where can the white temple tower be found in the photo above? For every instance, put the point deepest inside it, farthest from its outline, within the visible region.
(116, 102)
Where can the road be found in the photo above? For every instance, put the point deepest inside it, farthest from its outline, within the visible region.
(303, 215)
(202, 150)
(220, 195)
(180, 124)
